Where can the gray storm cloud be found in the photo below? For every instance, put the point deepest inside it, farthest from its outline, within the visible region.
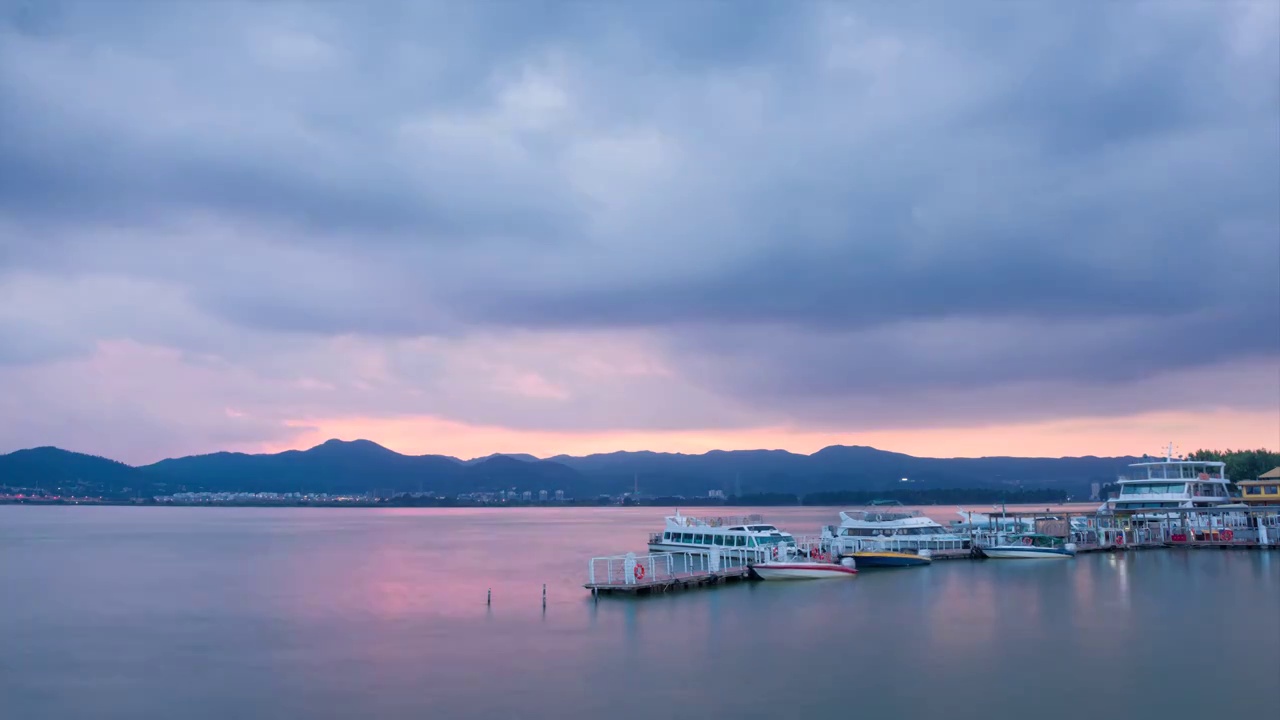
(856, 204)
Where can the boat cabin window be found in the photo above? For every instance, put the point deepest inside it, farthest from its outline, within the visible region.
(686, 538)
(719, 540)
(1147, 488)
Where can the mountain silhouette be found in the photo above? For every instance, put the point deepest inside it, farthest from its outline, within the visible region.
(359, 466)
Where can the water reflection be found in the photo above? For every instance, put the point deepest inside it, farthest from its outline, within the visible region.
(337, 614)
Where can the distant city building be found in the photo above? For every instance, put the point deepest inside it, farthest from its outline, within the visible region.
(559, 496)
(1095, 491)
(715, 494)
(542, 496)
(526, 495)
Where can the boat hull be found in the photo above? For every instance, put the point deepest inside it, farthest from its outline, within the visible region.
(1018, 552)
(889, 559)
(802, 571)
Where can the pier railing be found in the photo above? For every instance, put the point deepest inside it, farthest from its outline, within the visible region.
(631, 569)
(1185, 528)
(658, 568)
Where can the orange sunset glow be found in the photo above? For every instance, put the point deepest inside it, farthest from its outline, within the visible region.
(1132, 435)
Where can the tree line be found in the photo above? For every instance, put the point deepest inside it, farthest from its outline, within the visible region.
(1241, 464)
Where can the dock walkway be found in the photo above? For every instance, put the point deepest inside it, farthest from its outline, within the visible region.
(678, 581)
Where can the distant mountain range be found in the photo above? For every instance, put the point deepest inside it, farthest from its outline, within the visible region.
(359, 466)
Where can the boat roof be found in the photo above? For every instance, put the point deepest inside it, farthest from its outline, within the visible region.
(1272, 474)
(1180, 461)
(717, 521)
(740, 523)
(874, 515)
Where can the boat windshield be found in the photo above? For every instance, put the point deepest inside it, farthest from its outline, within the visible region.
(1037, 540)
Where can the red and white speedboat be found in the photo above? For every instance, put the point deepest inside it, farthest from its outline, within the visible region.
(795, 566)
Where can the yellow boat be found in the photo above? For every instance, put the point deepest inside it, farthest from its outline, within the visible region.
(888, 558)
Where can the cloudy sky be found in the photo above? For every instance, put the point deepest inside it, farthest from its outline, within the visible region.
(467, 227)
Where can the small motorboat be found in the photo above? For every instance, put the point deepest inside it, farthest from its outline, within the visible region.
(793, 565)
(873, 558)
(1028, 546)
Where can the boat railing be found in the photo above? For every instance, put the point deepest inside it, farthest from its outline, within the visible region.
(881, 515)
(724, 521)
(857, 544)
(631, 569)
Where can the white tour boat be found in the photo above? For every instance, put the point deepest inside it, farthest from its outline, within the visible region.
(891, 529)
(1152, 486)
(684, 534)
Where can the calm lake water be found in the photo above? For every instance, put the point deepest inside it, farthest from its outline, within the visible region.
(197, 613)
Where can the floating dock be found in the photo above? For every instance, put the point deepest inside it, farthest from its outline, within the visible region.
(1237, 528)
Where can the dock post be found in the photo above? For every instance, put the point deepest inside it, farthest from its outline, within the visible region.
(488, 598)
(544, 596)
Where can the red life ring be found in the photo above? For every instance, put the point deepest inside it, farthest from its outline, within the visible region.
(775, 552)
(1028, 541)
(1120, 539)
(638, 572)
(1227, 535)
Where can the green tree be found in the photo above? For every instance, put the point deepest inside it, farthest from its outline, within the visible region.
(1241, 464)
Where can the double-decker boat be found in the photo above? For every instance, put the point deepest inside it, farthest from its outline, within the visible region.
(1152, 486)
(884, 535)
(886, 522)
(684, 534)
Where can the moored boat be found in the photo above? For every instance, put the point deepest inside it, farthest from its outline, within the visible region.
(697, 535)
(870, 557)
(1028, 546)
(802, 570)
(1157, 485)
(887, 527)
(791, 564)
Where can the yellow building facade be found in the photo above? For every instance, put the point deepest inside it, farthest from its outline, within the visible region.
(1263, 491)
